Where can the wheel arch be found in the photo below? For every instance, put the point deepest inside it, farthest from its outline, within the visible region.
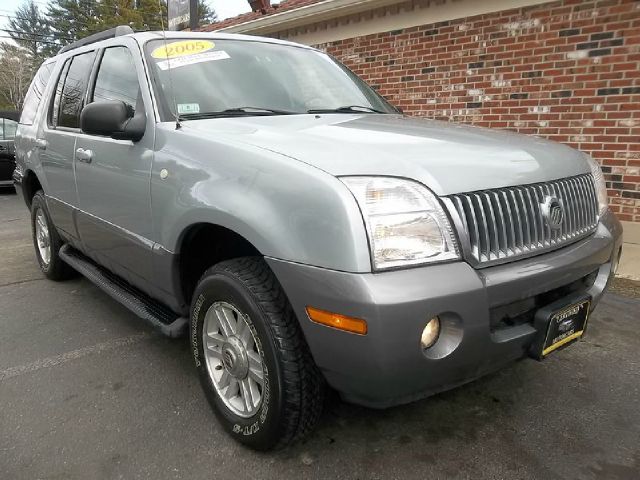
(30, 185)
(203, 244)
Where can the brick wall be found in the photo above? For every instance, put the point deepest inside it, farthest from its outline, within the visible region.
(567, 70)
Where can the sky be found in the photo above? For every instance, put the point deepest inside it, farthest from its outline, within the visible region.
(225, 9)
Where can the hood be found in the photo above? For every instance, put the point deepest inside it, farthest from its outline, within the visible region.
(448, 158)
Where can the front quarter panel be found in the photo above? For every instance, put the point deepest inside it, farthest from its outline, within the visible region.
(285, 208)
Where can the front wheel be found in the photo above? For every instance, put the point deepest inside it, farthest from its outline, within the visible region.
(253, 362)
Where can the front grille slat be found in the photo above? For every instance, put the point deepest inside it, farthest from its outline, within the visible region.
(517, 218)
(503, 242)
(575, 209)
(537, 227)
(568, 209)
(508, 223)
(546, 232)
(485, 241)
(581, 209)
(592, 199)
(494, 247)
(472, 220)
(512, 242)
(526, 227)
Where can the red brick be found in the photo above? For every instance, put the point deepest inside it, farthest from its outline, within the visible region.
(597, 120)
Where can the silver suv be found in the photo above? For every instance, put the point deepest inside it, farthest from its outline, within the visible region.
(259, 196)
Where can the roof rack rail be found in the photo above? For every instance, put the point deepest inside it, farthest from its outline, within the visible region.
(96, 37)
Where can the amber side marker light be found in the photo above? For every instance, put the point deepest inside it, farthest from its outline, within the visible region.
(335, 320)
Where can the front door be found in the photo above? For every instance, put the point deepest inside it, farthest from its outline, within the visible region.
(113, 176)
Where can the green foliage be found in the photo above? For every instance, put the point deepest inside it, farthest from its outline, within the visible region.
(206, 15)
(31, 31)
(70, 20)
(40, 36)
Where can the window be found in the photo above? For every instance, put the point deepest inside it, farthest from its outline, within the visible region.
(35, 92)
(117, 78)
(8, 129)
(55, 104)
(229, 74)
(73, 90)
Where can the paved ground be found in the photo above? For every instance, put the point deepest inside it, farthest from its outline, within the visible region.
(89, 392)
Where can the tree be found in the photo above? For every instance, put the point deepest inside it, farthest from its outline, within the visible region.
(71, 20)
(16, 70)
(118, 12)
(206, 14)
(30, 30)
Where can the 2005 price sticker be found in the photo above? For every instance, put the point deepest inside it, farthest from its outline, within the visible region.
(182, 48)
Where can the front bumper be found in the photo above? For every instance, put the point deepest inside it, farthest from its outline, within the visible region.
(387, 366)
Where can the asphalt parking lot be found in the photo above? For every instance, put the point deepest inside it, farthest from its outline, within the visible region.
(88, 391)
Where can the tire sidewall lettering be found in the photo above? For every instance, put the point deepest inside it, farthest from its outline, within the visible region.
(253, 428)
(194, 329)
(243, 427)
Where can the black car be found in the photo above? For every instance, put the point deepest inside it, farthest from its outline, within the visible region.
(8, 127)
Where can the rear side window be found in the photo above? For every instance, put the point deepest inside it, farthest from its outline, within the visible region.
(117, 78)
(71, 91)
(55, 104)
(35, 92)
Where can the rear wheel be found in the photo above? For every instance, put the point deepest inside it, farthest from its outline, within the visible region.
(46, 241)
(253, 362)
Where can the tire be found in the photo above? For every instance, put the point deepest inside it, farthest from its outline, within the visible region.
(292, 392)
(54, 268)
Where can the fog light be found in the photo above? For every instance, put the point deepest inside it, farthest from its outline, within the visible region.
(430, 333)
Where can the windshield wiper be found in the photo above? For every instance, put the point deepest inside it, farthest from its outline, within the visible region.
(236, 111)
(346, 109)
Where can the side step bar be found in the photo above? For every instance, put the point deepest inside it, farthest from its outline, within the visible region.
(160, 316)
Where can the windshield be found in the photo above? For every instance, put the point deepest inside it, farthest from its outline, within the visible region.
(253, 78)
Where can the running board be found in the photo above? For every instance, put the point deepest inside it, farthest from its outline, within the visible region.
(158, 315)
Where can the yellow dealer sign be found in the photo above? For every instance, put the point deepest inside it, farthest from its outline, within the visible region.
(182, 48)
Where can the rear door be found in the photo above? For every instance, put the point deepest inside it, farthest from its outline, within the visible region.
(57, 137)
(33, 110)
(113, 176)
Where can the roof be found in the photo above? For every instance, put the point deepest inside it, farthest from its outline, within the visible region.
(143, 37)
(247, 17)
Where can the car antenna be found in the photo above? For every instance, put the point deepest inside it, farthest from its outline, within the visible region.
(166, 52)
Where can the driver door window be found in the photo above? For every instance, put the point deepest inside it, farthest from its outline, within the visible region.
(117, 78)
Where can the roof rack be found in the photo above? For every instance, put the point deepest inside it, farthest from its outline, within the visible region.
(96, 37)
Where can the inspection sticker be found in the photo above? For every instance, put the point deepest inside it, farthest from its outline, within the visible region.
(191, 59)
(183, 48)
(188, 108)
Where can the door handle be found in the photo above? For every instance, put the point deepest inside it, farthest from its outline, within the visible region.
(41, 143)
(84, 155)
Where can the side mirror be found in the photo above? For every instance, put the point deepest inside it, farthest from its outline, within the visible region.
(112, 118)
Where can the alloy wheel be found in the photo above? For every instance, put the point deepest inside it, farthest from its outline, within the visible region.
(233, 359)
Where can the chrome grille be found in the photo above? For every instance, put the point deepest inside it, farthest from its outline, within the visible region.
(511, 222)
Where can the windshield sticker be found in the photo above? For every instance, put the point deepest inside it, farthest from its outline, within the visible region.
(191, 59)
(188, 108)
(183, 48)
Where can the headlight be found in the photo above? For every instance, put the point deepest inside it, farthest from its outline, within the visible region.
(404, 220)
(601, 186)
